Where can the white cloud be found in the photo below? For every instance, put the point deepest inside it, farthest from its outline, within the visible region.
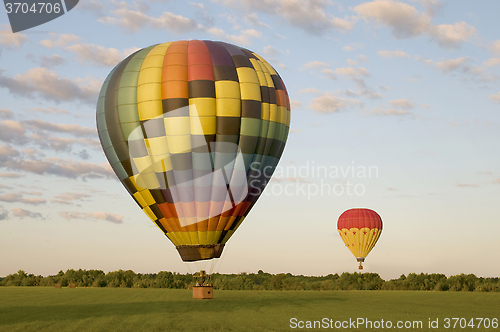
(353, 47)
(495, 97)
(311, 16)
(271, 54)
(33, 153)
(73, 129)
(397, 107)
(13, 131)
(133, 21)
(492, 62)
(59, 40)
(114, 218)
(423, 60)
(11, 175)
(316, 64)
(63, 143)
(389, 112)
(215, 31)
(330, 73)
(84, 154)
(448, 65)
(393, 54)
(495, 47)
(55, 166)
(467, 185)
(253, 20)
(93, 6)
(361, 93)
(11, 40)
(66, 168)
(69, 197)
(7, 152)
(310, 90)
(330, 103)
(197, 5)
(402, 103)
(352, 72)
(19, 198)
(270, 51)
(3, 213)
(51, 61)
(452, 35)
(244, 37)
(49, 110)
(22, 213)
(97, 54)
(308, 15)
(432, 7)
(5, 113)
(294, 104)
(18, 132)
(48, 85)
(406, 21)
(361, 58)
(462, 64)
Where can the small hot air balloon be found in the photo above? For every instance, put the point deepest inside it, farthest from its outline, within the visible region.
(193, 129)
(360, 229)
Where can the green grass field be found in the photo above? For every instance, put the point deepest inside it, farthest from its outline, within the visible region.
(118, 309)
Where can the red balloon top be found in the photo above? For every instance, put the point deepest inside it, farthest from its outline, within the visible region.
(359, 218)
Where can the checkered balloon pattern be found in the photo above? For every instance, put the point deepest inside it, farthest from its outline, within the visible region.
(194, 130)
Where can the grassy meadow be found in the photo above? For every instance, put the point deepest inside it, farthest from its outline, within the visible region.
(133, 309)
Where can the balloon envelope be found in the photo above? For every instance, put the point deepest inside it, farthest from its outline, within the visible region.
(360, 229)
(194, 130)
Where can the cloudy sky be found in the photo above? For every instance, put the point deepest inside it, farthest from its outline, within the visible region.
(398, 100)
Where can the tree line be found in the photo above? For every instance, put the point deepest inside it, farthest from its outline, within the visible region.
(258, 281)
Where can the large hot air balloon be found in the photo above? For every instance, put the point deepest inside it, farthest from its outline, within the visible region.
(193, 129)
(360, 229)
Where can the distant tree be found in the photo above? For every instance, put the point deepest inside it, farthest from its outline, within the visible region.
(277, 281)
(258, 281)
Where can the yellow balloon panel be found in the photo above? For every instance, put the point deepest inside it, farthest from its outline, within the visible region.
(360, 242)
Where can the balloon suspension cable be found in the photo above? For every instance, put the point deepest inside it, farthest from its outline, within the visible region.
(212, 265)
(221, 259)
(189, 267)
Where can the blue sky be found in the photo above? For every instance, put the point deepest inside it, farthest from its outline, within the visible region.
(407, 89)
